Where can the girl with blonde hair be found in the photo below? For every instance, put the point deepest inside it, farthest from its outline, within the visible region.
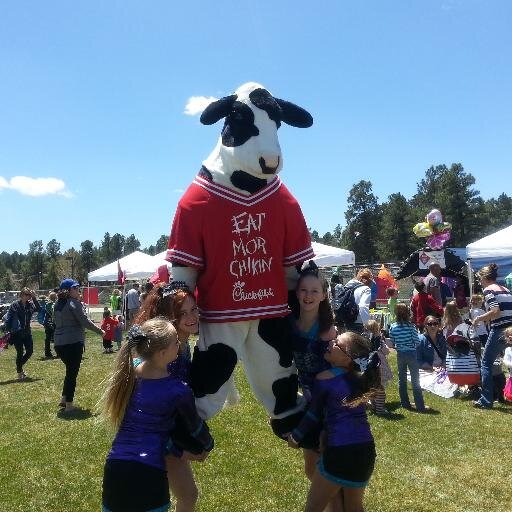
(143, 402)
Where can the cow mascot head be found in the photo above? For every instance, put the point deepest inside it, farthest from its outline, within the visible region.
(238, 235)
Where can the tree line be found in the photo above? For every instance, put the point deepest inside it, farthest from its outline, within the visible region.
(382, 231)
(374, 231)
(43, 267)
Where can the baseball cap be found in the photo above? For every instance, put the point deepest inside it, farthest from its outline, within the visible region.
(68, 283)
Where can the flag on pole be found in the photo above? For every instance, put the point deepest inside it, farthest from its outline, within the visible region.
(121, 276)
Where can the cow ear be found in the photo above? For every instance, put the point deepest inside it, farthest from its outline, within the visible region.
(217, 110)
(294, 115)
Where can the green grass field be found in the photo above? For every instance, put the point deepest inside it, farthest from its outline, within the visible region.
(456, 459)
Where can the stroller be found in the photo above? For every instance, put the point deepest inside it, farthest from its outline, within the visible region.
(461, 361)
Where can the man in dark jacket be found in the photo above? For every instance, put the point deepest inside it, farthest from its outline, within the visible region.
(18, 324)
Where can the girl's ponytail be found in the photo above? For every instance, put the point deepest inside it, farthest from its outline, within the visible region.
(365, 375)
(147, 339)
(120, 386)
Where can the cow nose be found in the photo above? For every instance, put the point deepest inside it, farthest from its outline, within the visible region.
(269, 165)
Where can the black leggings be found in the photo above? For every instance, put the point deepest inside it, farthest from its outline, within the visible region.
(71, 356)
(24, 348)
(48, 331)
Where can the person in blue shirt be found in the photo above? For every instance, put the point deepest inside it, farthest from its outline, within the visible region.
(431, 351)
(404, 337)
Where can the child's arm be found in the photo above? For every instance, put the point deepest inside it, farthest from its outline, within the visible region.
(196, 427)
(313, 415)
(507, 359)
(383, 349)
(329, 335)
(433, 304)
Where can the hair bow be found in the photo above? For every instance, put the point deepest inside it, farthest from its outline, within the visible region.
(173, 287)
(310, 268)
(136, 334)
(367, 363)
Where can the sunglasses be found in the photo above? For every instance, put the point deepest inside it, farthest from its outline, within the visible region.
(344, 350)
(431, 324)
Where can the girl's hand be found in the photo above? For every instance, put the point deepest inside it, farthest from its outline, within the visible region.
(198, 457)
(292, 443)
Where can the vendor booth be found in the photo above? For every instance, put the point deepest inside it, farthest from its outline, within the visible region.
(135, 266)
(327, 256)
(495, 248)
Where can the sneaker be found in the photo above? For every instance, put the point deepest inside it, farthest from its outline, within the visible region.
(71, 408)
(480, 405)
(22, 376)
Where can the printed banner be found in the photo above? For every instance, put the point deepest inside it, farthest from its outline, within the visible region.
(426, 257)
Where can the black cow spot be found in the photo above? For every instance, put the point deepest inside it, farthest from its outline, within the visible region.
(262, 99)
(205, 173)
(265, 169)
(310, 441)
(211, 368)
(276, 332)
(285, 391)
(239, 126)
(284, 425)
(244, 181)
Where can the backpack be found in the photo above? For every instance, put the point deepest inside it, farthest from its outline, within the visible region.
(347, 310)
(41, 314)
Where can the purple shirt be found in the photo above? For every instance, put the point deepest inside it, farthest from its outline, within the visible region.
(150, 415)
(180, 367)
(344, 425)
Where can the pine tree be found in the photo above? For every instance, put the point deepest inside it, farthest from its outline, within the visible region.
(363, 223)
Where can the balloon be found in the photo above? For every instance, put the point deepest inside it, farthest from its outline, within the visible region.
(434, 217)
(442, 227)
(422, 229)
(438, 240)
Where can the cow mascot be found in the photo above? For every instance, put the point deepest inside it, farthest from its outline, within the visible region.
(239, 236)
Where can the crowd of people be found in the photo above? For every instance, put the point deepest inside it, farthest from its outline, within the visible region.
(341, 365)
(435, 334)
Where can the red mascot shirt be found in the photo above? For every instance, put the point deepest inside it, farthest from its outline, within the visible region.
(240, 245)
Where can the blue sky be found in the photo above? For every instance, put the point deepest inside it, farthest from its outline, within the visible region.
(92, 95)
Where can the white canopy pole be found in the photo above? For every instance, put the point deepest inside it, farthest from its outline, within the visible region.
(470, 277)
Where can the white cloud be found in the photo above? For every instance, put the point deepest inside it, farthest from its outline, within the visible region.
(196, 104)
(179, 190)
(35, 187)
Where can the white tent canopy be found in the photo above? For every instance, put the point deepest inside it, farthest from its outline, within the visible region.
(160, 257)
(497, 245)
(136, 265)
(327, 256)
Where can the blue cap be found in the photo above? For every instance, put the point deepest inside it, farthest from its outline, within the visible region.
(68, 283)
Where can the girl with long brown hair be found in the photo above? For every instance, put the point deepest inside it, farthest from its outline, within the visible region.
(312, 329)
